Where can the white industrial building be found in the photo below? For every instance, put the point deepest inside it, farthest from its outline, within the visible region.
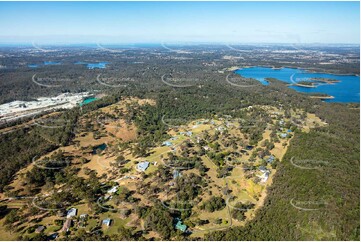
(20, 109)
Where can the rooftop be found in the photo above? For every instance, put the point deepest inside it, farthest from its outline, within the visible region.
(142, 166)
(283, 135)
(180, 226)
(176, 174)
(40, 229)
(263, 169)
(107, 221)
(167, 143)
(71, 212)
(271, 158)
(113, 190)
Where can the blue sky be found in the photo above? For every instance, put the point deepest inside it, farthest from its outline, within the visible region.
(129, 22)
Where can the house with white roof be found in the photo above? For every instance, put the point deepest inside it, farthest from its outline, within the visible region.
(142, 166)
(113, 189)
(71, 212)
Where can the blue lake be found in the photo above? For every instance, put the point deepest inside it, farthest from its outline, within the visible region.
(45, 63)
(87, 100)
(100, 65)
(51, 63)
(347, 90)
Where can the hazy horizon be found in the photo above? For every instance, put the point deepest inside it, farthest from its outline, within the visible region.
(198, 22)
(171, 43)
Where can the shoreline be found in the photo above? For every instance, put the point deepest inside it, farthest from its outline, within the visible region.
(322, 97)
(302, 85)
(310, 70)
(325, 80)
